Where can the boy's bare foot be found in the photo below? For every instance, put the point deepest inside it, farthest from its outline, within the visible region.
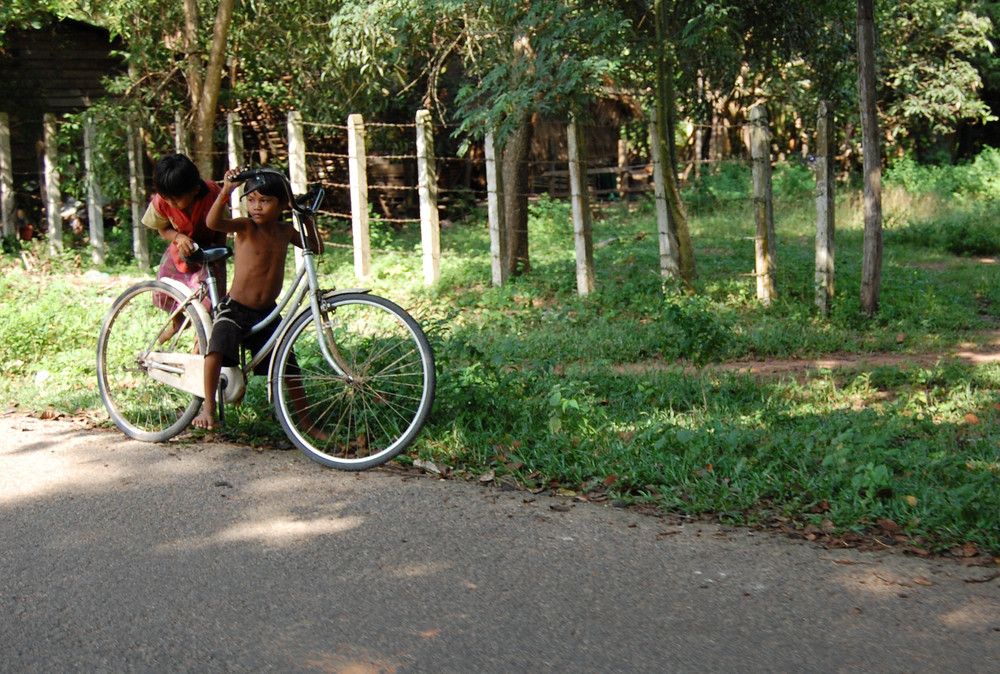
(205, 421)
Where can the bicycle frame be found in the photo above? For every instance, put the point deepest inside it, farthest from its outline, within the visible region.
(186, 371)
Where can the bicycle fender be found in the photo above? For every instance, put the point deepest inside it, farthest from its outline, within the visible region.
(198, 307)
(331, 294)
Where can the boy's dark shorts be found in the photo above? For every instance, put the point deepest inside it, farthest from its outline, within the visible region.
(232, 322)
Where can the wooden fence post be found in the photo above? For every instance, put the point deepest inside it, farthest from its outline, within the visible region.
(358, 168)
(494, 212)
(7, 202)
(825, 217)
(297, 175)
(670, 261)
(137, 197)
(234, 147)
(181, 144)
(579, 197)
(624, 170)
(297, 153)
(763, 201)
(53, 199)
(95, 197)
(427, 189)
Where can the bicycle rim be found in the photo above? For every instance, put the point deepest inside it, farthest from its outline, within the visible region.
(370, 412)
(138, 323)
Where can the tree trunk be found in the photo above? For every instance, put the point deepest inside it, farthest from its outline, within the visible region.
(871, 263)
(515, 198)
(665, 123)
(193, 70)
(514, 178)
(205, 91)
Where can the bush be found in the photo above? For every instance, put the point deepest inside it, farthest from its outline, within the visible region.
(725, 183)
(981, 178)
(793, 181)
(972, 232)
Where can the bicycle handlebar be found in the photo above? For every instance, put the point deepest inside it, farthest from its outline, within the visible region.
(314, 192)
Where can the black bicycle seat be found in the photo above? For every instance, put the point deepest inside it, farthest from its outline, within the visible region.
(208, 255)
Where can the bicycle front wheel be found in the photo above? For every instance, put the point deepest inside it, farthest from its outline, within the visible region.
(366, 405)
(145, 320)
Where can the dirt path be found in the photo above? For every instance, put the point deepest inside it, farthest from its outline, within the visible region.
(982, 352)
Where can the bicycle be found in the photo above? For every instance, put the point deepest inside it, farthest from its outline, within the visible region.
(364, 364)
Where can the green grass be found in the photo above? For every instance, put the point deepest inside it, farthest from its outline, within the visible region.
(541, 387)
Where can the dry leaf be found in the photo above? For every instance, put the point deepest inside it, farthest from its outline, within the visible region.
(971, 418)
(911, 499)
(887, 525)
(821, 506)
(426, 466)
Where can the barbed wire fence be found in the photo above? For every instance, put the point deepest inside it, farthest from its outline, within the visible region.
(389, 173)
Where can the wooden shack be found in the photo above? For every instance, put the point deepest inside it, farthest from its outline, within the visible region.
(58, 68)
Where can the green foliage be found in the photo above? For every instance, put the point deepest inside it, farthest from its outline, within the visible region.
(387, 58)
(793, 181)
(694, 329)
(47, 333)
(930, 74)
(731, 182)
(962, 222)
(968, 232)
(727, 182)
(546, 57)
(978, 178)
(33, 14)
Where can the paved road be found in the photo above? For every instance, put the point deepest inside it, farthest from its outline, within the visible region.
(119, 556)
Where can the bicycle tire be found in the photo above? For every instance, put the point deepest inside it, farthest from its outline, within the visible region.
(142, 407)
(361, 421)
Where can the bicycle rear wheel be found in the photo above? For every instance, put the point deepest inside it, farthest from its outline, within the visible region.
(367, 407)
(139, 323)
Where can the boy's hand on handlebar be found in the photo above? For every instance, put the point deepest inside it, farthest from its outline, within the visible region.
(231, 180)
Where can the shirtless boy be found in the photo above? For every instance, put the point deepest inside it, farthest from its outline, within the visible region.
(261, 245)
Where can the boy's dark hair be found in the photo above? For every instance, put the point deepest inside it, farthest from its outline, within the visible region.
(269, 185)
(175, 176)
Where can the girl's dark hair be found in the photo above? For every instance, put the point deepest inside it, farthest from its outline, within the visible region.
(175, 176)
